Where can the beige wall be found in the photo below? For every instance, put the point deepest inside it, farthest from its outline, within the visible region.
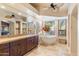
(74, 35)
(78, 30)
(73, 31)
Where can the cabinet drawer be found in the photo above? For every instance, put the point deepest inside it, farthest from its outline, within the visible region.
(18, 42)
(3, 46)
(4, 52)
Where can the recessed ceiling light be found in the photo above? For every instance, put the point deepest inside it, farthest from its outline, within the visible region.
(3, 7)
(12, 3)
(19, 14)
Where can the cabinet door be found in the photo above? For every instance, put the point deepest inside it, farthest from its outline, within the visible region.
(4, 49)
(23, 47)
(28, 44)
(33, 42)
(15, 49)
(35, 39)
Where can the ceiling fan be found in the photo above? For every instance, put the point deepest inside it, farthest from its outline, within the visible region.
(54, 6)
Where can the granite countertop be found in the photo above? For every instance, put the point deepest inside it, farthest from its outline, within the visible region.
(10, 39)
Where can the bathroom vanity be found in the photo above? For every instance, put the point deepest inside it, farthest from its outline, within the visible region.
(18, 46)
(17, 35)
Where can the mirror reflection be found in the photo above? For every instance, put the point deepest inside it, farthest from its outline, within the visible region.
(14, 27)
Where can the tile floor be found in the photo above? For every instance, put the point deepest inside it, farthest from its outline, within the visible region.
(51, 50)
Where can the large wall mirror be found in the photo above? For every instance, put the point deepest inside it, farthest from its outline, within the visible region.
(16, 28)
(5, 28)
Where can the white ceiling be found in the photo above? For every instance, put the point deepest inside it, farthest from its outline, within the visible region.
(23, 8)
(17, 8)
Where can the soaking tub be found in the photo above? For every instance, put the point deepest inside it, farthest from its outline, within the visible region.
(47, 39)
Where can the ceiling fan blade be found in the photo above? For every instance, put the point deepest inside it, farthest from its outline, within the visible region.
(54, 10)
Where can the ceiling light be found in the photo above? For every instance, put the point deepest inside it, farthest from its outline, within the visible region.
(19, 14)
(12, 3)
(3, 7)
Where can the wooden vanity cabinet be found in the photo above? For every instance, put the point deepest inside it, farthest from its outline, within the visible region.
(19, 47)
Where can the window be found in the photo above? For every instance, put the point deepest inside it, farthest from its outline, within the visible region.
(51, 25)
(62, 27)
